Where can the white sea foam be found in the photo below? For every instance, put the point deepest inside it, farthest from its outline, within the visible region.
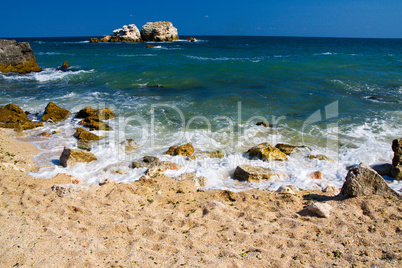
(369, 142)
(47, 75)
(254, 59)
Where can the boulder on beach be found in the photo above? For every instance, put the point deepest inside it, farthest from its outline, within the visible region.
(83, 134)
(70, 157)
(249, 173)
(54, 113)
(363, 180)
(12, 116)
(266, 152)
(17, 57)
(159, 31)
(184, 150)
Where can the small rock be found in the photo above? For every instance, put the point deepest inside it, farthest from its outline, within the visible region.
(54, 113)
(249, 173)
(147, 161)
(57, 132)
(266, 152)
(287, 148)
(107, 181)
(261, 123)
(150, 46)
(70, 157)
(285, 189)
(45, 134)
(321, 209)
(156, 170)
(190, 39)
(184, 150)
(84, 145)
(397, 148)
(198, 181)
(383, 169)
(319, 157)
(64, 67)
(83, 134)
(317, 175)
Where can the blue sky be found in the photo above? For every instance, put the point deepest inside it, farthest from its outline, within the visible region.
(318, 18)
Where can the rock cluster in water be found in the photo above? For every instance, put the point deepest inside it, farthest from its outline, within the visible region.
(17, 57)
(152, 31)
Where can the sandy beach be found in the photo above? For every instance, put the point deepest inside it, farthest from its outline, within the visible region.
(157, 222)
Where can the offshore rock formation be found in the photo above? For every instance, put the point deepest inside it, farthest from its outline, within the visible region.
(17, 57)
(152, 31)
(159, 31)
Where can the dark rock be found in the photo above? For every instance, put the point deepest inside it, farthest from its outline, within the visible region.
(70, 157)
(103, 114)
(147, 161)
(397, 172)
(397, 148)
(83, 134)
(383, 169)
(54, 113)
(150, 46)
(190, 39)
(263, 124)
(363, 180)
(94, 123)
(266, 152)
(93, 40)
(64, 67)
(184, 150)
(17, 57)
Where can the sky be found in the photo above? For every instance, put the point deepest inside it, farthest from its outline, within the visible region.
(308, 18)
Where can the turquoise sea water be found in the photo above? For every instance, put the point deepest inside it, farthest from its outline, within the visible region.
(341, 97)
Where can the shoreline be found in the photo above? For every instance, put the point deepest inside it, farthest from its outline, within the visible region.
(160, 222)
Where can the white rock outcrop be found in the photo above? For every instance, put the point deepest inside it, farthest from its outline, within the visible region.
(159, 31)
(128, 33)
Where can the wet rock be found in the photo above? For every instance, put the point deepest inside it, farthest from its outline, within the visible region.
(383, 169)
(70, 157)
(93, 40)
(102, 114)
(249, 173)
(83, 134)
(397, 172)
(54, 113)
(397, 148)
(266, 152)
(321, 209)
(157, 170)
(317, 175)
(261, 123)
(287, 148)
(45, 134)
(159, 31)
(147, 161)
(84, 145)
(190, 39)
(184, 150)
(17, 57)
(150, 46)
(12, 116)
(94, 123)
(363, 180)
(64, 67)
(208, 154)
(129, 146)
(319, 157)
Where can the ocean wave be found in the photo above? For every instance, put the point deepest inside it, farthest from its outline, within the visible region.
(137, 55)
(47, 75)
(254, 59)
(53, 53)
(325, 53)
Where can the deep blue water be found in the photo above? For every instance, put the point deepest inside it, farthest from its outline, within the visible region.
(333, 94)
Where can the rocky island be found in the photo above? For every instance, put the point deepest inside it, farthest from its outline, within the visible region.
(159, 31)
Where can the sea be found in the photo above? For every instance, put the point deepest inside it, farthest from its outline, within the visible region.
(340, 97)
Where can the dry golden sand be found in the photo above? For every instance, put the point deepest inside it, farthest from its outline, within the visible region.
(158, 222)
